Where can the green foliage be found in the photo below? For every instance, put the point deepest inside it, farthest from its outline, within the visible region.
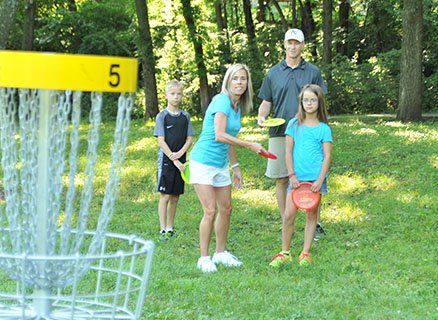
(381, 30)
(365, 80)
(370, 87)
(96, 28)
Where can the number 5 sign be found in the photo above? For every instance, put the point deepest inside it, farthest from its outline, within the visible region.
(55, 71)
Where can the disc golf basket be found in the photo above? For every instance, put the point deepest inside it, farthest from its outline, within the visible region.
(56, 259)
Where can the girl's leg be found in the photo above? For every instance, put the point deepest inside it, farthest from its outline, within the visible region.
(207, 197)
(290, 213)
(162, 210)
(309, 231)
(222, 225)
(171, 210)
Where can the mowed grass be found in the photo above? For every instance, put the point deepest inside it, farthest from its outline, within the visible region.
(379, 259)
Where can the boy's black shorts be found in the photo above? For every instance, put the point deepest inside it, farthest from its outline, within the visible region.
(170, 180)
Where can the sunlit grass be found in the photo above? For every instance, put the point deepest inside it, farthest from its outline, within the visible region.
(347, 184)
(383, 183)
(365, 131)
(142, 144)
(256, 197)
(344, 211)
(377, 260)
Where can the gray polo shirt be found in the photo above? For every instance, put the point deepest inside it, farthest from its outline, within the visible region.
(282, 86)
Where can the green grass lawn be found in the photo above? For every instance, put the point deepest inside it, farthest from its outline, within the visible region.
(377, 261)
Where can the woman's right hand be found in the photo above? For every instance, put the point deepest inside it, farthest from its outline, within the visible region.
(256, 147)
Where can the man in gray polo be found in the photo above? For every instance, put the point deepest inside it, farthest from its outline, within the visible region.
(279, 91)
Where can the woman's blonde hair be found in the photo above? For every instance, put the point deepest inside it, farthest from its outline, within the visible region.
(245, 101)
(322, 109)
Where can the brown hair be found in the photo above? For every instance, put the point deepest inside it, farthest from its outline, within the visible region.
(322, 109)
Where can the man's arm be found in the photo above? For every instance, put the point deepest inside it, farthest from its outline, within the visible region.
(264, 110)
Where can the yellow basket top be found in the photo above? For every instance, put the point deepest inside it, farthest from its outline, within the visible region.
(58, 71)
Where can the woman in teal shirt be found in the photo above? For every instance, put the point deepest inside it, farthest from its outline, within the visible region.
(209, 160)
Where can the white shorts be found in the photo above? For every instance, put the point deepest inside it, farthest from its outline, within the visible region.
(277, 168)
(204, 174)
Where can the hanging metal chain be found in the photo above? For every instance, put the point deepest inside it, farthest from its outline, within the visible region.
(20, 160)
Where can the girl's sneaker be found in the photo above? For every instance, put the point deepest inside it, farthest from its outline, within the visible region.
(304, 259)
(227, 259)
(280, 258)
(170, 234)
(206, 265)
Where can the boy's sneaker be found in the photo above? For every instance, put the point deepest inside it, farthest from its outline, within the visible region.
(280, 258)
(206, 265)
(319, 232)
(304, 259)
(227, 259)
(163, 236)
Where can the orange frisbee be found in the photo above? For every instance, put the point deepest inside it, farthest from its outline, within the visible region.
(304, 198)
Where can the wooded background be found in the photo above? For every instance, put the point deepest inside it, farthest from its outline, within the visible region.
(377, 56)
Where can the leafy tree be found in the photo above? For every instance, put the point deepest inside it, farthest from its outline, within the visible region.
(381, 28)
(195, 40)
(8, 8)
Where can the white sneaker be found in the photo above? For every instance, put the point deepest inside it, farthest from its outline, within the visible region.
(227, 259)
(206, 265)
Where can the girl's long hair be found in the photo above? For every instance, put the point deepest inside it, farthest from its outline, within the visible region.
(245, 101)
(322, 109)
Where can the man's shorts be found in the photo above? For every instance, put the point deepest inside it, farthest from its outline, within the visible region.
(208, 175)
(277, 168)
(169, 180)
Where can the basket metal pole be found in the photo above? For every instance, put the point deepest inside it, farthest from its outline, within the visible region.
(41, 301)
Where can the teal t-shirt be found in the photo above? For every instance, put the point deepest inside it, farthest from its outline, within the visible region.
(207, 150)
(307, 153)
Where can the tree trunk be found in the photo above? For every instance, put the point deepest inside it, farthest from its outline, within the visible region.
(327, 25)
(219, 16)
(249, 23)
(221, 21)
(147, 59)
(308, 25)
(293, 4)
(411, 80)
(29, 26)
(199, 54)
(261, 11)
(235, 10)
(8, 9)
(72, 6)
(282, 17)
(344, 14)
(253, 48)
